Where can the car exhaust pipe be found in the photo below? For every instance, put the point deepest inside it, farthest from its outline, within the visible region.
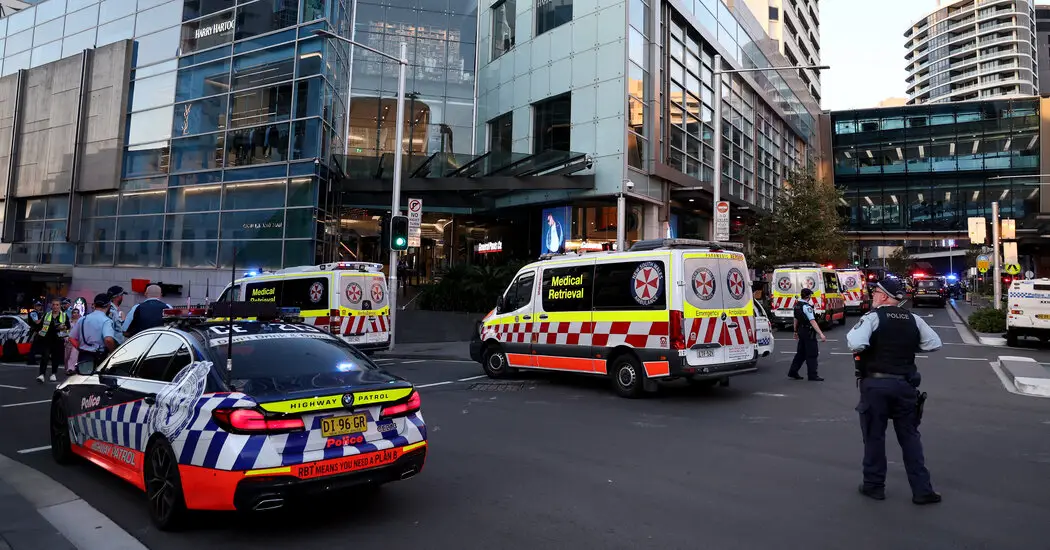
(408, 473)
(268, 504)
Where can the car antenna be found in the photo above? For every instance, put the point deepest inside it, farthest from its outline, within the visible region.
(229, 331)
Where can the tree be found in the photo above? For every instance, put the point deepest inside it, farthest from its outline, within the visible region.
(804, 225)
(899, 262)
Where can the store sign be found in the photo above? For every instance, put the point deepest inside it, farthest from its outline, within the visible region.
(208, 32)
(225, 26)
(489, 248)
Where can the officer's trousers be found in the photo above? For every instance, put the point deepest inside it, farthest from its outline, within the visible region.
(806, 352)
(881, 400)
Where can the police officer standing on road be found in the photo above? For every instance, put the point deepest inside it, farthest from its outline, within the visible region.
(94, 333)
(806, 332)
(886, 340)
(116, 296)
(146, 315)
(35, 320)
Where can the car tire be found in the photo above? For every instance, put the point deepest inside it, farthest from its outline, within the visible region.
(842, 321)
(166, 503)
(61, 444)
(1011, 338)
(627, 376)
(494, 362)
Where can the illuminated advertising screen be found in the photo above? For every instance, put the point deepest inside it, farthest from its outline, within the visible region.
(556, 229)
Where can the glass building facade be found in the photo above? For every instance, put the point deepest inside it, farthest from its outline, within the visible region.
(928, 168)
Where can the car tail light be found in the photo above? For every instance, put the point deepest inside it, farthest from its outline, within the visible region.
(1016, 312)
(677, 330)
(402, 409)
(335, 321)
(253, 421)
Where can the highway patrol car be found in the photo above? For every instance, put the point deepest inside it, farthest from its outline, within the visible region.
(1029, 313)
(296, 412)
(788, 282)
(347, 299)
(664, 309)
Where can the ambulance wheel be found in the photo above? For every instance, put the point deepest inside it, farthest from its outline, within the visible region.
(842, 321)
(167, 505)
(626, 374)
(1011, 338)
(495, 362)
(61, 449)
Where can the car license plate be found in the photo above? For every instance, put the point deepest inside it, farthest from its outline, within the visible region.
(783, 313)
(375, 337)
(1043, 316)
(705, 353)
(342, 425)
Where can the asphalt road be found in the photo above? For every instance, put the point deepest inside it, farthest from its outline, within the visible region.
(552, 461)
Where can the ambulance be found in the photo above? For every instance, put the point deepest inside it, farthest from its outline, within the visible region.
(854, 288)
(665, 309)
(347, 299)
(1029, 313)
(789, 280)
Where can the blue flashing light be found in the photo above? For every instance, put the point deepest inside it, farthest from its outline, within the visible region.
(252, 273)
(289, 311)
(952, 277)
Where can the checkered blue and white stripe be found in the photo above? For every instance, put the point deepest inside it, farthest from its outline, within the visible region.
(124, 425)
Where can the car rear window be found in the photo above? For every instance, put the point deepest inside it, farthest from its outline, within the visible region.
(929, 284)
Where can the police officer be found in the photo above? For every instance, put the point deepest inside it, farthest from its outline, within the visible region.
(94, 333)
(148, 314)
(806, 332)
(53, 331)
(116, 297)
(886, 340)
(35, 320)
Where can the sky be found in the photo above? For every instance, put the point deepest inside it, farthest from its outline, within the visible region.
(865, 49)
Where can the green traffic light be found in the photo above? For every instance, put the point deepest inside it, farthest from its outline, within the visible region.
(399, 241)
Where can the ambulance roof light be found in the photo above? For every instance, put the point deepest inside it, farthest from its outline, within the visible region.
(357, 266)
(798, 264)
(654, 244)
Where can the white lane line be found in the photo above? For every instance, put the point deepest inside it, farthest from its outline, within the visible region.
(922, 356)
(410, 362)
(445, 383)
(34, 450)
(26, 403)
(11, 387)
(766, 394)
(967, 358)
(472, 378)
(941, 326)
(841, 353)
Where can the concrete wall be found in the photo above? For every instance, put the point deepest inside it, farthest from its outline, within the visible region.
(105, 117)
(8, 92)
(47, 133)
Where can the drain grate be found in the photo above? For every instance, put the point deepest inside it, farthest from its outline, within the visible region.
(497, 386)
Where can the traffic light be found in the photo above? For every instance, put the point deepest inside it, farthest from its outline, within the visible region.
(399, 233)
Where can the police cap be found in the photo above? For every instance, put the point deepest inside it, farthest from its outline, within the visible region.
(892, 287)
(806, 293)
(116, 290)
(102, 300)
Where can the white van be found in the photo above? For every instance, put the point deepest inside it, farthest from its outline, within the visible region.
(788, 282)
(348, 299)
(1029, 313)
(665, 309)
(854, 288)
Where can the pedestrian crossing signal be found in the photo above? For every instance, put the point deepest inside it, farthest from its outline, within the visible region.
(399, 233)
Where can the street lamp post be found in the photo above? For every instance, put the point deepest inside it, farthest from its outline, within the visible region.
(717, 73)
(399, 136)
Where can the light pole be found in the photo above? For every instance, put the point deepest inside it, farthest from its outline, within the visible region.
(717, 139)
(399, 137)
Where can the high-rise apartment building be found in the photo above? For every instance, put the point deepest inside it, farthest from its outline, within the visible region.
(972, 49)
(1042, 47)
(795, 26)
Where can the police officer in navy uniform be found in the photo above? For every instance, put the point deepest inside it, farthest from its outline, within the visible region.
(806, 332)
(148, 314)
(116, 296)
(886, 340)
(94, 333)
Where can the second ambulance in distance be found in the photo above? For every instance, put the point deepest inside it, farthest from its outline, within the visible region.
(662, 310)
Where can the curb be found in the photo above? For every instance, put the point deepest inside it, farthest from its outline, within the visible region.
(1038, 386)
(81, 524)
(983, 339)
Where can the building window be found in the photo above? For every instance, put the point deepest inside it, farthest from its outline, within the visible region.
(40, 231)
(552, 124)
(502, 27)
(551, 14)
(774, 13)
(500, 131)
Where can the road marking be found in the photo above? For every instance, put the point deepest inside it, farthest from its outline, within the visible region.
(941, 326)
(922, 356)
(410, 362)
(840, 353)
(26, 403)
(34, 450)
(435, 384)
(472, 378)
(11, 387)
(766, 394)
(967, 358)
(381, 359)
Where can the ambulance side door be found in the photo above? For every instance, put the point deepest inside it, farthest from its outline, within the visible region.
(516, 323)
(564, 326)
(703, 307)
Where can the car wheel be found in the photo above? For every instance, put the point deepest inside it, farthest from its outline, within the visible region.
(495, 362)
(1011, 338)
(626, 374)
(61, 445)
(167, 506)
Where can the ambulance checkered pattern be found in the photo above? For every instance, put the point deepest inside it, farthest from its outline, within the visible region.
(355, 324)
(853, 297)
(637, 334)
(203, 444)
(709, 330)
(827, 304)
(784, 302)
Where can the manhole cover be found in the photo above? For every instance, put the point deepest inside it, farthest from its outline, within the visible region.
(496, 386)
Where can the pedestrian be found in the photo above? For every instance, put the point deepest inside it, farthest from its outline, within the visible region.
(886, 339)
(35, 318)
(116, 297)
(71, 342)
(148, 314)
(54, 329)
(806, 332)
(95, 335)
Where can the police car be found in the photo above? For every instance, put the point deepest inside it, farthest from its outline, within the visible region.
(296, 412)
(15, 337)
(1029, 313)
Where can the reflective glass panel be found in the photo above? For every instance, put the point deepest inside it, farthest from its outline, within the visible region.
(203, 80)
(197, 117)
(256, 194)
(158, 18)
(299, 253)
(13, 63)
(208, 32)
(197, 198)
(191, 227)
(157, 47)
(197, 153)
(146, 160)
(263, 67)
(257, 145)
(261, 105)
(47, 53)
(98, 229)
(310, 54)
(78, 43)
(116, 31)
(309, 97)
(300, 222)
(21, 21)
(111, 10)
(149, 125)
(97, 253)
(306, 138)
(48, 32)
(20, 42)
(141, 254)
(190, 253)
(302, 192)
(140, 228)
(193, 9)
(99, 205)
(74, 5)
(263, 16)
(81, 20)
(265, 41)
(257, 254)
(252, 224)
(51, 9)
(142, 202)
(153, 91)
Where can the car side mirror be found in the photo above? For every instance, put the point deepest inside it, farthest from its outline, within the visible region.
(108, 381)
(86, 367)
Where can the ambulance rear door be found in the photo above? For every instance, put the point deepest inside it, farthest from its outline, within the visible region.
(703, 307)
(851, 283)
(785, 293)
(738, 316)
(365, 308)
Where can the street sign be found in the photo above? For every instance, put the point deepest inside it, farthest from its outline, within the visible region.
(1029, 275)
(1009, 253)
(976, 227)
(983, 263)
(415, 220)
(722, 221)
(1012, 269)
(1008, 229)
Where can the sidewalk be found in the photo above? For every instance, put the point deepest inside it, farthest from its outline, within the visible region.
(964, 309)
(22, 527)
(449, 351)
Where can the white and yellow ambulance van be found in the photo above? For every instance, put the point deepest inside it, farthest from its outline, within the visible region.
(1029, 313)
(854, 289)
(788, 282)
(348, 299)
(665, 309)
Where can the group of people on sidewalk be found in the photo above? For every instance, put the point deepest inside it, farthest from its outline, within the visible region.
(62, 336)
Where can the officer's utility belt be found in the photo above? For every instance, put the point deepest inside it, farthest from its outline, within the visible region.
(886, 375)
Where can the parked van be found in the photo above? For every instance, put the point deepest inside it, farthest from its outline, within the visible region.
(348, 299)
(854, 288)
(1029, 313)
(788, 282)
(664, 309)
